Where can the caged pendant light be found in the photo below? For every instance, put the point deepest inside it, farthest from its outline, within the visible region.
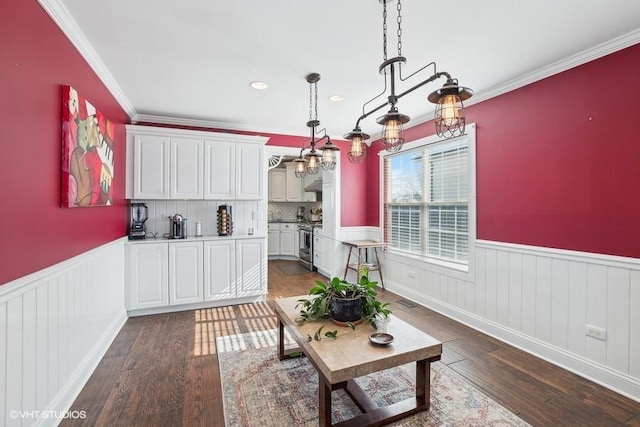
(449, 113)
(310, 162)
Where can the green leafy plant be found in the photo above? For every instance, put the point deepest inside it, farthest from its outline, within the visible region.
(323, 292)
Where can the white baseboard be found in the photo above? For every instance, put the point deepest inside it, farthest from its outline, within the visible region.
(600, 374)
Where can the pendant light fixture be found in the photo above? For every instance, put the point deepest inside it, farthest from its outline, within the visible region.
(310, 162)
(449, 113)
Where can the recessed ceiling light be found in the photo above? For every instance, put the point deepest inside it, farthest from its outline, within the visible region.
(336, 98)
(259, 85)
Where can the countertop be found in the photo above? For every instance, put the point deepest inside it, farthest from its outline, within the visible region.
(198, 239)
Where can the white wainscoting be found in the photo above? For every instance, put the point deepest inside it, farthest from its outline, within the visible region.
(55, 326)
(540, 300)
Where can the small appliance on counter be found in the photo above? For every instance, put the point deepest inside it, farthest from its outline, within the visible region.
(177, 227)
(225, 221)
(138, 216)
(300, 214)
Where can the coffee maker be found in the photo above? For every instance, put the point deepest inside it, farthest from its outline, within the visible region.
(300, 214)
(177, 227)
(138, 216)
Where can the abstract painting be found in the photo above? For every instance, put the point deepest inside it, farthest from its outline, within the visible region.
(87, 153)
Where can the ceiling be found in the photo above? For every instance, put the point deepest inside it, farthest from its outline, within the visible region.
(191, 62)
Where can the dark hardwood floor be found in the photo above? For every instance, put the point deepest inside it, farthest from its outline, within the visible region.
(162, 370)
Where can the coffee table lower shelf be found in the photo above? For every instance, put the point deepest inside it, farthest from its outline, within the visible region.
(374, 415)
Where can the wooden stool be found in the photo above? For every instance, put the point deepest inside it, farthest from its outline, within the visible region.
(357, 267)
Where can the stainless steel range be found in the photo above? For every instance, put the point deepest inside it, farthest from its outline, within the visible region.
(305, 253)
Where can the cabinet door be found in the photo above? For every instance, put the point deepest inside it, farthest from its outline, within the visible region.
(293, 184)
(288, 239)
(219, 270)
(185, 273)
(318, 252)
(187, 169)
(249, 169)
(277, 185)
(251, 267)
(273, 239)
(151, 167)
(219, 170)
(147, 279)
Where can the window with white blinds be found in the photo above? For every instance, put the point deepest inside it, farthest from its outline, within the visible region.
(426, 200)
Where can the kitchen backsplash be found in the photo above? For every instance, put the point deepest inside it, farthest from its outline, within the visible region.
(245, 214)
(286, 211)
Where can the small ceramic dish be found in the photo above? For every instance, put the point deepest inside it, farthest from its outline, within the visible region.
(381, 338)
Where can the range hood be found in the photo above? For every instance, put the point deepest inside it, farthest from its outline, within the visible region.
(315, 186)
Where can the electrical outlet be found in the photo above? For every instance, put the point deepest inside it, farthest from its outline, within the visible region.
(411, 274)
(596, 332)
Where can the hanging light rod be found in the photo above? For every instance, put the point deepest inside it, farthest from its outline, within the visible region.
(449, 114)
(309, 163)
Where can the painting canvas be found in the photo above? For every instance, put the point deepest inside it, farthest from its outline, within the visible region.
(87, 153)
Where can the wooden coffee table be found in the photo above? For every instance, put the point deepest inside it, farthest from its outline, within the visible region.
(339, 361)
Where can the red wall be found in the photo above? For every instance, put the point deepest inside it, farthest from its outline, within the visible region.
(558, 161)
(36, 60)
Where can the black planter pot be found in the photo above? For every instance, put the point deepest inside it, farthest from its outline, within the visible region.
(345, 310)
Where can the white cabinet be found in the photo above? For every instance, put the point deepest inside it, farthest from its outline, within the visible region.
(282, 239)
(288, 239)
(293, 184)
(219, 270)
(318, 250)
(167, 168)
(193, 165)
(147, 276)
(249, 171)
(186, 168)
(273, 237)
(251, 268)
(151, 167)
(284, 186)
(277, 185)
(164, 276)
(219, 167)
(185, 273)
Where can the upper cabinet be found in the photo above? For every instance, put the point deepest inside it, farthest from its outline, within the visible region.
(151, 154)
(220, 177)
(284, 186)
(294, 184)
(249, 171)
(186, 166)
(193, 165)
(277, 185)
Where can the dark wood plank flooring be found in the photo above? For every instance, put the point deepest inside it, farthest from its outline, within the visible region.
(162, 370)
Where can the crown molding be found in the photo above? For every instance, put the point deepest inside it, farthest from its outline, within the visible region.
(572, 61)
(63, 19)
(60, 15)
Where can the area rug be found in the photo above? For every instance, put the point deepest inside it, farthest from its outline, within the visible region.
(260, 390)
(292, 268)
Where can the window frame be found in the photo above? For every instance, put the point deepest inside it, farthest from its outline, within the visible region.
(418, 260)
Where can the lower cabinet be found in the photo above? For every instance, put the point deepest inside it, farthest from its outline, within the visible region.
(219, 270)
(147, 270)
(251, 268)
(282, 239)
(167, 274)
(185, 273)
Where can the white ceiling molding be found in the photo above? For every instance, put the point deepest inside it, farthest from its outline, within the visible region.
(60, 15)
(573, 61)
(165, 120)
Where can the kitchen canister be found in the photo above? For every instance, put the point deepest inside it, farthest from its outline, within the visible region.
(225, 220)
(198, 229)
